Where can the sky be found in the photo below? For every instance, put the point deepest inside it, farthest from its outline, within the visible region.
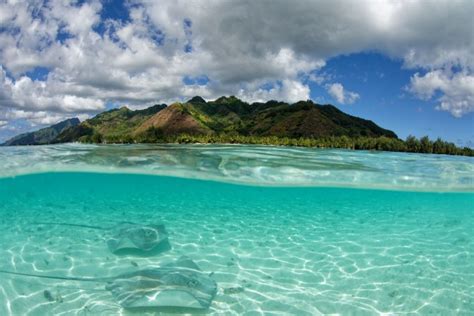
(406, 65)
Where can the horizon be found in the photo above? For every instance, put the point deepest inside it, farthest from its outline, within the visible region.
(390, 63)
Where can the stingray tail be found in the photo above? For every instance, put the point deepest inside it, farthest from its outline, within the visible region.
(69, 224)
(31, 275)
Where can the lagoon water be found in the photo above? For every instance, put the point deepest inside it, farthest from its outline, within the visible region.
(283, 231)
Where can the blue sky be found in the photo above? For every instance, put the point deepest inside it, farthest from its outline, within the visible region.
(382, 85)
(406, 65)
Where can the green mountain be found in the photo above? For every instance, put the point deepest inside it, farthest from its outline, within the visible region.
(115, 125)
(44, 135)
(226, 115)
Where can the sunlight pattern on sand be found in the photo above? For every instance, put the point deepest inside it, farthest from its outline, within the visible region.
(300, 251)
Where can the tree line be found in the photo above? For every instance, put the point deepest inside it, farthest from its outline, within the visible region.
(410, 144)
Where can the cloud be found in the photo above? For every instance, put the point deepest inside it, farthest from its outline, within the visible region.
(239, 45)
(288, 90)
(35, 118)
(337, 91)
(243, 38)
(456, 90)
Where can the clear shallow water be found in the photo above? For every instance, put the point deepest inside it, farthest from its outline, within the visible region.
(293, 250)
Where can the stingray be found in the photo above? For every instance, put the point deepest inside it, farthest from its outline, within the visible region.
(131, 239)
(180, 284)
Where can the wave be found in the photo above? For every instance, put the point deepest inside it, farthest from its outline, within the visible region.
(251, 165)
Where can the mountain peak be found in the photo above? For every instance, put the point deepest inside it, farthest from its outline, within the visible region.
(197, 99)
(73, 121)
(228, 99)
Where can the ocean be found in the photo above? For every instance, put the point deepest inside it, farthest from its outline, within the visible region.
(281, 230)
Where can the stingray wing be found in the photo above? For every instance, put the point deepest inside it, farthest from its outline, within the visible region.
(143, 238)
(173, 285)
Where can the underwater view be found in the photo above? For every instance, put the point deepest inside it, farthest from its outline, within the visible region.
(234, 230)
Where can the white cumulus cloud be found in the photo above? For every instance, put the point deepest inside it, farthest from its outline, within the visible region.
(456, 90)
(337, 91)
(239, 46)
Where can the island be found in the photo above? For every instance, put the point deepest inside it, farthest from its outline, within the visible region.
(231, 120)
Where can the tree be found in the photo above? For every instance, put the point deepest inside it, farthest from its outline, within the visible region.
(412, 144)
(426, 146)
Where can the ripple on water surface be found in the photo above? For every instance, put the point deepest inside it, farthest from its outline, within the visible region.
(280, 250)
(255, 165)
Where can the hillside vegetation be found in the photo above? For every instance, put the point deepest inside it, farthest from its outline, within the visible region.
(224, 116)
(43, 136)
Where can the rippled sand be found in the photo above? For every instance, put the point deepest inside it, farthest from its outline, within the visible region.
(272, 251)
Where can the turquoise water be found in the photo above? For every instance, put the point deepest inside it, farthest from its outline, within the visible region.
(282, 231)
